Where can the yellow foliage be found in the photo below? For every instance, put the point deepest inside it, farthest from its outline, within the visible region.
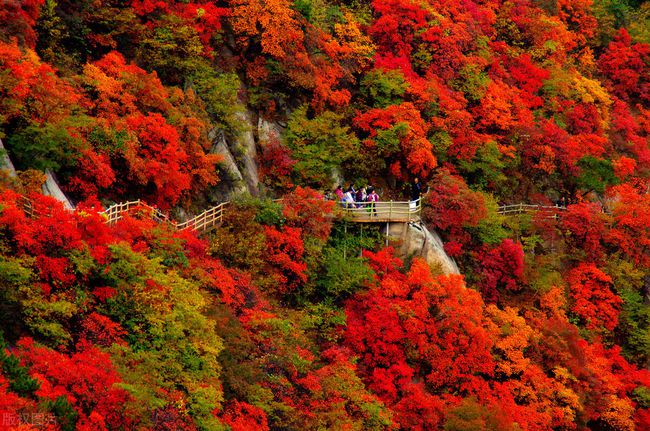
(619, 414)
(273, 21)
(512, 336)
(589, 90)
(360, 46)
(31, 180)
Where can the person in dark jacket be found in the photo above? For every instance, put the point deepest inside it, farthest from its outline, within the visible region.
(416, 190)
(361, 197)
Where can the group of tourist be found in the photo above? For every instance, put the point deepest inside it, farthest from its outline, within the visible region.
(351, 198)
(365, 197)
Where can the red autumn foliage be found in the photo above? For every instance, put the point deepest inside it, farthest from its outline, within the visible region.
(630, 229)
(204, 17)
(101, 330)
(241, 416)
(17, 20)
(169, 157)
(593, 299)
(306, 209)
(86, 378)
(532, 77)
(584, 227)
(626, 66)
(158, 157)
(285, 252)
(32, 89)
(451, 206)
(414, 157)
(47, 234)
(405, 331)
(502, 268)
(276, 164)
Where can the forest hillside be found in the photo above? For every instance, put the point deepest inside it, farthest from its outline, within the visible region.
(288, 315)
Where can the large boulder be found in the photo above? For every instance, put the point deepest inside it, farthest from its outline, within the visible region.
(414, 239)
(51, 188)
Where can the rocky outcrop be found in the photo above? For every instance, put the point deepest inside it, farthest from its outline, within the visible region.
(239, 169)
(5, 161)
(231, 180)
(51, 188)
(267, 130)
(414, 239)
(244, 150)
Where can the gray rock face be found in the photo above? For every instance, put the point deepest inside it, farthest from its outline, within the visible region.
(231, 181)
(5, 161)
(240, 155)
(414, 239)
(267, 130)
(244, 149)
(239, 170)
(51, 188)
(336, 178)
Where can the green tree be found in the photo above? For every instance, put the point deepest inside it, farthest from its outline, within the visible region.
(47, 146)
(381, 88)
(320, 145)
(20, 381)
(596, 174)
(172, 344)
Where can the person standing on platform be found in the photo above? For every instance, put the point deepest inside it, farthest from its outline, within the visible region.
(373, 198)
(416, 193)
(339, 192)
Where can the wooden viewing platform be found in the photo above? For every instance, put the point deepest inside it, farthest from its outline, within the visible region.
(383, 212)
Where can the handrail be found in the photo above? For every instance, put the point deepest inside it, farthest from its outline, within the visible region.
(202, 222)
(522, 208)
(360, 212)
(390, 211)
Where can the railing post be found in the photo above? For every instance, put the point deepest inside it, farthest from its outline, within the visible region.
(390, 210)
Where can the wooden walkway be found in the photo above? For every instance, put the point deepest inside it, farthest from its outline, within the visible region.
(528, 208)
(362, 212)
(383, 212)
(203, 222)
(550, 212)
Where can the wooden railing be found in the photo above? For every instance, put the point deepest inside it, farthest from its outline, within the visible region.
(550, 211)
(205, 221)
(26, 203)
(359, 212)
(389, 211)
(116, 212)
